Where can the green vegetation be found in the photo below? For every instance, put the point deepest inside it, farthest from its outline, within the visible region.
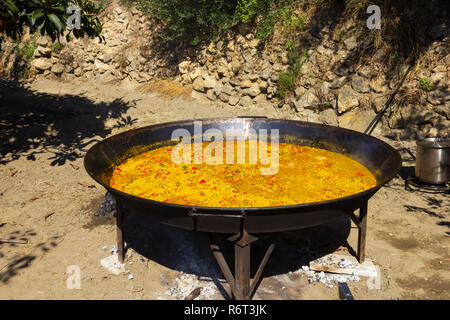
(26, 50)
(425, 84)
(192, 20)
(47, 17)
(57, 47)
(289, 78)
(197, 20)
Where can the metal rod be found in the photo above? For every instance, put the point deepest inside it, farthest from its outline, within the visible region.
(377, 118)
(354, 218)
(344, 292)
(261, 267)
(223, 265)
(362, 233)
(120, 231)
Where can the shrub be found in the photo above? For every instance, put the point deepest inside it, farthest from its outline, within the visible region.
(425, 84)
(190, 20)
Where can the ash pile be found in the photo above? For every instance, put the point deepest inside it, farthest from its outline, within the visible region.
(108, 205)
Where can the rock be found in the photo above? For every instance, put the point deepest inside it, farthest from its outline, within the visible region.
(211, 48)
(227, 89)
(408, 115)
(183, 67)
(245, 84)
(186, 79)
(195, 73)
(231, 46)
(438, 79)
(261, 102)
(211, 95)
(235, 66)
(44, 51)
(253, 91)
(43, 42)
(360, 84)
(307, 68)
(224, 97)
(337, 83)
(263, 85)
(350, 43)
(437, 97)
(377, 102)
(443, 110)
(218, 88)
(378, 84)
(209, 82)
(233, 100)
(254, 43)
(347, 99)
(58, 68)
(324, 88)
(356, 119)
(77, 72)
(198, 84)
(100, 66)
(328, 116)
(41, 64)
(308, 100)
(222, 71)
(299, 91)
(246, 101)
(266, 74)
(275, 77)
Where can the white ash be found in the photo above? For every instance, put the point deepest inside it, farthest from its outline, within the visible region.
(327, 279)
(113, 249)
(347, 264)
(186, 283)
(119, 265)
(108, 205)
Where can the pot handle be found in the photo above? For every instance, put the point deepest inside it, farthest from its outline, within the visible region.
(258, 117)
(193, 213)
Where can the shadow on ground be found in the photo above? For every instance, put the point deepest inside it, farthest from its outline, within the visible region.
(63, 125)
(189, 251)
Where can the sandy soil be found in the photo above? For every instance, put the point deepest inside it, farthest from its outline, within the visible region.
(47, 198)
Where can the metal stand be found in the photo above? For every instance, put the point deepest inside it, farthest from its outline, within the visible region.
(120, 231)
(361, 223)
(241, 285)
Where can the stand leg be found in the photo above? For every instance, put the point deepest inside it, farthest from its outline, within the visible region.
(120, 232)
(242, 271)
(362, 233)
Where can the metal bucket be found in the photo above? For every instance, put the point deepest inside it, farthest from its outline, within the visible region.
(433, 160)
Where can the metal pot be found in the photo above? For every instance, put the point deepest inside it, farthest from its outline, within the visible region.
(433, 160)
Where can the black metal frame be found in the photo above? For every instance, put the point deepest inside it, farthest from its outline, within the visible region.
(242, 287)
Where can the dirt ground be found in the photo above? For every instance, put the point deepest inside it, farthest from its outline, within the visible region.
(47, 198)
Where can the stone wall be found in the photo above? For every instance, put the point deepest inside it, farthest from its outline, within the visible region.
(238, 70)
